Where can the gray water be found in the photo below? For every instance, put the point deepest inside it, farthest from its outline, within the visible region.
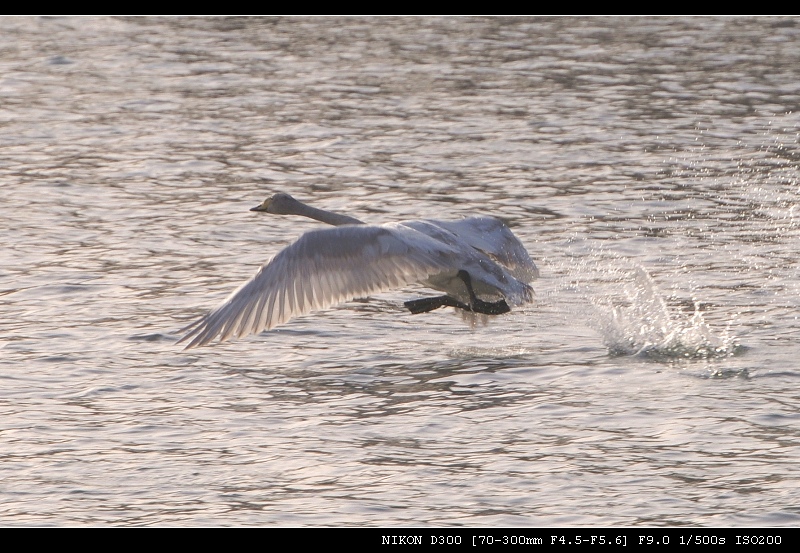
(650, 166)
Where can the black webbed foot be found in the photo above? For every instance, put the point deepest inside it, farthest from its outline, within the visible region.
(490, 308)
(425, 305)
(480, 306)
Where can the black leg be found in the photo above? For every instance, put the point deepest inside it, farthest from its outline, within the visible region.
(480, 306)
(476, 305)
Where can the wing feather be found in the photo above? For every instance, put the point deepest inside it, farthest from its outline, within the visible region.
(322, 268)
(494, 239)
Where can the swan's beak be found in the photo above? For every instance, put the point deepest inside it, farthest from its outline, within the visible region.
(261, 207)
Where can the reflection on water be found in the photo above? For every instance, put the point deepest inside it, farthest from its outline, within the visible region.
(649, 165)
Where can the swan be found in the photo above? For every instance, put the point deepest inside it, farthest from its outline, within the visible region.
(477, 262)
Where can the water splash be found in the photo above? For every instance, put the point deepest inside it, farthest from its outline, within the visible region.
(647, 327)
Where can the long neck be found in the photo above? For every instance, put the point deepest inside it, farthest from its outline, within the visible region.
(327, 217)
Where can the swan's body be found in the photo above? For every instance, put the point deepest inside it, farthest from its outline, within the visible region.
(473, 261)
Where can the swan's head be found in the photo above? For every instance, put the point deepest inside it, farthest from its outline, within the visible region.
(279, 204)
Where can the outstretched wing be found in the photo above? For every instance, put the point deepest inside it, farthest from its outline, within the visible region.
(322, 268)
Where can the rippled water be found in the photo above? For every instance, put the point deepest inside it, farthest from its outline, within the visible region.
(650, 166)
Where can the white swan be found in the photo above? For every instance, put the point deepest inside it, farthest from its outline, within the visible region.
(478, 262)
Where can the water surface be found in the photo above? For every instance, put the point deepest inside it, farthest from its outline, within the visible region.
(649, 165)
